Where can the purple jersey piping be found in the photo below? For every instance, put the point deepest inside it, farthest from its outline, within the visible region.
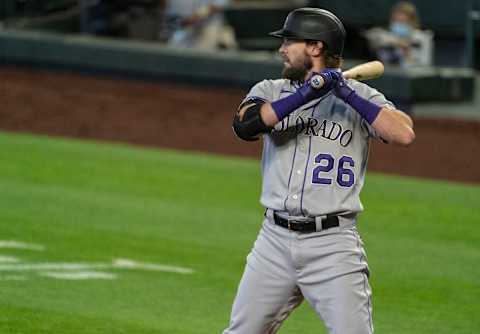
(291, 171)
(305, 174)
(308, 158)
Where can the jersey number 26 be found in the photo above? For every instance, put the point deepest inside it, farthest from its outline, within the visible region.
(345, 176)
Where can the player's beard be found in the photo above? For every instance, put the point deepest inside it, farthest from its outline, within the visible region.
(298, 70)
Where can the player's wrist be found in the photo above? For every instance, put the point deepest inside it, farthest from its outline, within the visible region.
(342, 90)
(368, 110)
(306, 93)
(285, 106)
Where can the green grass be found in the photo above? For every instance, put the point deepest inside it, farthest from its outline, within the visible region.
(90, 202)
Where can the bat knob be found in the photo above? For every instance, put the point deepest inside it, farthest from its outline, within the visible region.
(317, 81)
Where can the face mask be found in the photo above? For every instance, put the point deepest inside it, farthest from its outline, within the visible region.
(401, 29)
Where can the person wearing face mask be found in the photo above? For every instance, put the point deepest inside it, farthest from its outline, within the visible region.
(403, 43)
(197, 24)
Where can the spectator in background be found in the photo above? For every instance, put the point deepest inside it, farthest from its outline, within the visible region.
(197, 24)
(403, 43)
(137, 19)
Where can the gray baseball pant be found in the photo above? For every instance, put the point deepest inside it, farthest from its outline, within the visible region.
(327, 268)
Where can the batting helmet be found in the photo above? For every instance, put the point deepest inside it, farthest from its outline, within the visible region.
(314, 24)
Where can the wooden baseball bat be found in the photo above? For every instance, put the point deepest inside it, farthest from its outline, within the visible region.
(365, 71)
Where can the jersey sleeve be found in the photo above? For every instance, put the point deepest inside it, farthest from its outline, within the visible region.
(262, 91)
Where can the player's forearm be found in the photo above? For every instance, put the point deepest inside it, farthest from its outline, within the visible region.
(394, 126)
(268, 115)
(403, 116)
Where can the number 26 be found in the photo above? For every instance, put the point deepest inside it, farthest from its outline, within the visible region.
(345, 176)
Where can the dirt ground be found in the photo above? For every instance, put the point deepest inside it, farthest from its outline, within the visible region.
(198, 119)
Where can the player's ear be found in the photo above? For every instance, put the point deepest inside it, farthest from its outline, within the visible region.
(315, 48)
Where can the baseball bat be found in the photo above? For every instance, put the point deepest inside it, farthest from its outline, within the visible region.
(365, 71)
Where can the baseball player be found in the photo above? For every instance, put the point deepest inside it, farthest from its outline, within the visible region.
(315, 150)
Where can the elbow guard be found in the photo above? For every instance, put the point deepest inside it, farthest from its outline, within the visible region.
(251, 124)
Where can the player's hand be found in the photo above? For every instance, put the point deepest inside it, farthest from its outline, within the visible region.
(342, 90)
(315, 88)
(330, 77)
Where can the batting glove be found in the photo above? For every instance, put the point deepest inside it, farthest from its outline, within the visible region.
(342, 90)
(313, 88)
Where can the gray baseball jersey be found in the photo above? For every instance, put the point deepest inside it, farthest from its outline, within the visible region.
(314, 161)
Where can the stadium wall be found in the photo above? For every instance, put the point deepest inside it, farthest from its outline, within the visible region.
(242, 69)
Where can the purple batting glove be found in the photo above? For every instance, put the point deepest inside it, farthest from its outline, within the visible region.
(306, 93)
(313, 88)
(342, 90)
(329, 76)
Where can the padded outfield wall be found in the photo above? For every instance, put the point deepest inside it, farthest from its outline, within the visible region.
(237, 69)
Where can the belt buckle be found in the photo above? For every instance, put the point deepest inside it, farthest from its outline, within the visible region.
(290, 224)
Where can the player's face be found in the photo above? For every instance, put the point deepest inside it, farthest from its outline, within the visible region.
(297, 62)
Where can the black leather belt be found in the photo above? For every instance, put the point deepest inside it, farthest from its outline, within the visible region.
(305, 226)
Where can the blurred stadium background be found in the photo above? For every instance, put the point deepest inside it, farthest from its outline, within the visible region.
(128, 206)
